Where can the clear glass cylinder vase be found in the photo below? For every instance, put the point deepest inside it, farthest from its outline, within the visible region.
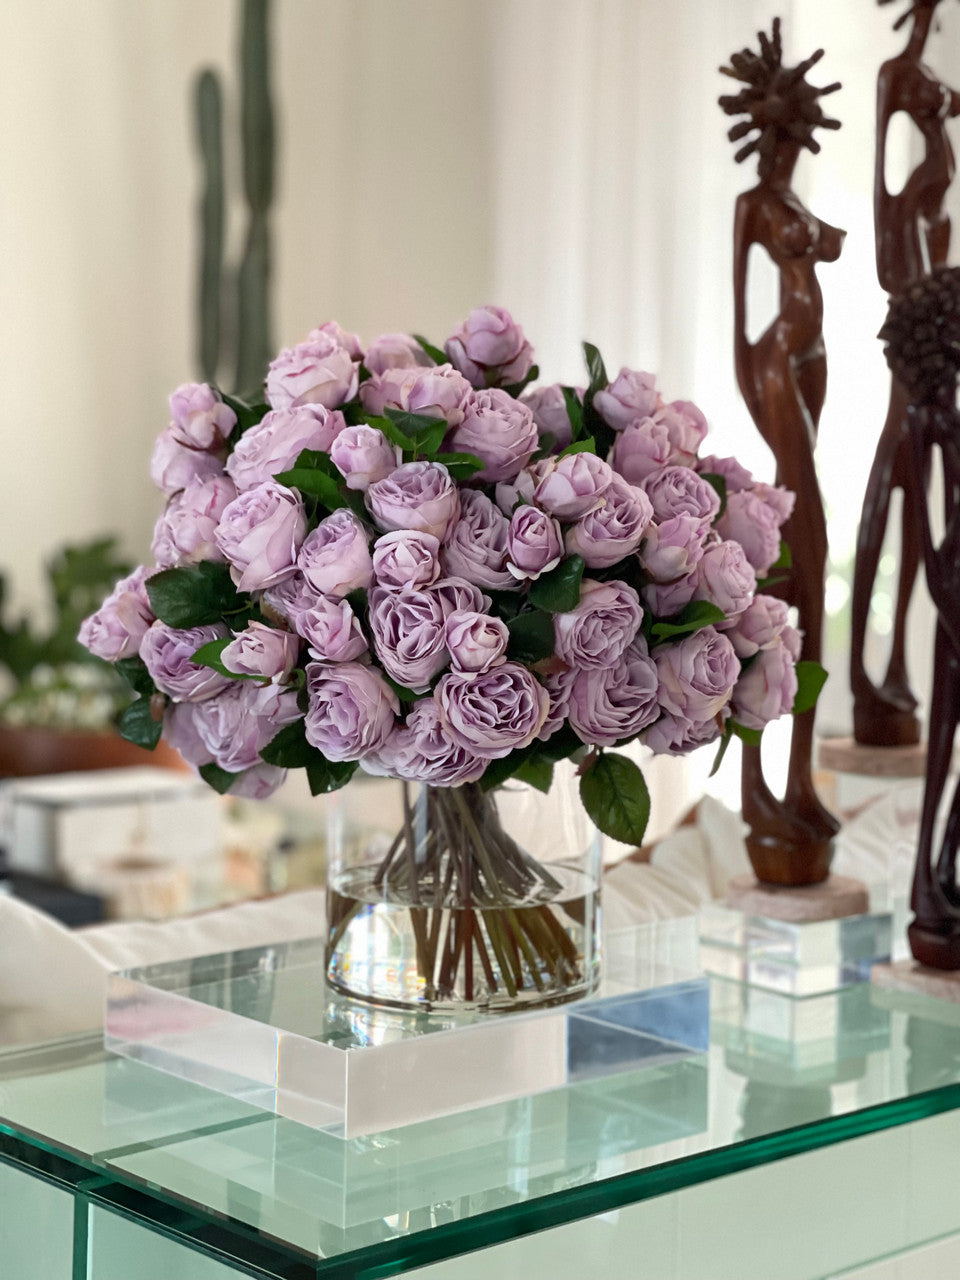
(446, 898)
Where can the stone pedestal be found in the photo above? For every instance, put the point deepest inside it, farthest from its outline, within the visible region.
(845, 755)
(834, 899)
(907, 977)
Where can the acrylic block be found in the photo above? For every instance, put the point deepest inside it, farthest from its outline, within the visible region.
(794, 959)
(262, 1026)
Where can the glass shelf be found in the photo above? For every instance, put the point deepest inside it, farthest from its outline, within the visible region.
(296, 1202)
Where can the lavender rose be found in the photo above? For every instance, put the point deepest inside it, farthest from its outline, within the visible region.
(259, 783)
(686, 428)
(679, 491)
(351, 711)
(676, 736)
(494, 712)
(697, 674)
(274, 444)
(168, 653)
(425, 752)
(549, 410)
(605, 536)
(725, 578)
(477, 545)
(631, 397)
(489, 348)
(186, 532)
(673, 548)
(608, 704)
(330, 329)
(523, 486)
(394, 351)
(236, 725)
(409, 635)
(260, 650)
(285, 602)
(200, 418)
(759, 626)
(755, 525)
(780, 499)
(735, 476)
(318, 371)
(173, 465)
(667, 599)
(640, 450)
(117, 628)
(332, 630)
(335, 556)
(596, 633)
(767, 688)
(475, 641)
(260, 534)
(500, 431)
(573, 486)
(180, 731)
(418, 495)
(362, 455)
(406, 558)
(534, 543)
(457, 593)
(558, 686)
(437, 392)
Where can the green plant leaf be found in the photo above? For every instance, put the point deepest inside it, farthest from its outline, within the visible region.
(811, 678)
(416, 426)
(209, 655)
(134, 671)
(137, 725)
(193, 595)
(325, 775)
(315, 483)
(718, 482)
(615, 795)
(580, 446)
(531, 637)
(394, 434)
(750, 736)
(785, 559)
(721, 752)
(460, 465)
(248, 415)
(595, 368)
(574, 411)
(559, 590)
(401, 690)
(498, 771)
(697, 614)
(429, 443)
(435, 354)
(537, 772)
(220, 779)
(289, 749)
(548, 442)
(562, 745)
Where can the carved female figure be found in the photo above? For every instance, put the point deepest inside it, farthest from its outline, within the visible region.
(782, 377)
(922, 333)
(912, 237)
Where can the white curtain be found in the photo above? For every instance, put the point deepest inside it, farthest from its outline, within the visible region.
(566, 158)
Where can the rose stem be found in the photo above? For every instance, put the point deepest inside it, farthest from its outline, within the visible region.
(484, 957)
(542, 939)
(341, 928)
(411, 855)
(528, 954)
(490, 919)
(391, 854)
(564, 940)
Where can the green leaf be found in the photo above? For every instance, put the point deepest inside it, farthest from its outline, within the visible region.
(559, 590)
(595, 368)
(394, 434)
(580, 446)
(315, 483)
(498, 771)
(193, 595)
(785, 558)
(137, 725)
(697, 614)
(616, 798)
(537, 772)
(721, 752)
(325, 775)
(430, 441)
(719, 483)
(574, 411)
(516, 389)
(460, 465)
(135, 672)
(289, 749)
(750, 736)
(531, 637)
(562, 745)
(248, 415)
(416, 426)
(548, 442)
(811, 678)
(220, 779)
(208, 655)
(435, 354)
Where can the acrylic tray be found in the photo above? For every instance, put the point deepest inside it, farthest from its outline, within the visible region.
(261, 1026)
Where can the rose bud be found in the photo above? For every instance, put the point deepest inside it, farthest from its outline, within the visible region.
(335, 557)
(275, 443)
(117, 628)
(631, 397)
(362, 455)
(260, 534)
(500, 431)
(263, 651)
(351, 710)
(418, 495)
(476, 641)
(168, 653)
(534, 543)
(200, 418)
(573, 486)
(318, 371)
(406, 558)
(596, 633)
(489, 348)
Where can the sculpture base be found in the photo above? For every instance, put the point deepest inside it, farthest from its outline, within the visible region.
(907, 977)
(833, 899)
(846, 755)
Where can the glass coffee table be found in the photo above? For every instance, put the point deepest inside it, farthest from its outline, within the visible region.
(815, 1137)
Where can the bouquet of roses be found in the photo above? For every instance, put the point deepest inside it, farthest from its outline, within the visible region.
(407, 560)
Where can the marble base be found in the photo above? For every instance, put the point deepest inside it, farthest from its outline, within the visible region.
(846, 755)
(910, 978)
(833, 899)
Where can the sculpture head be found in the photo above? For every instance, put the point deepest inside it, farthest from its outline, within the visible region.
(921, 337)
(778, 102)
(919, 9)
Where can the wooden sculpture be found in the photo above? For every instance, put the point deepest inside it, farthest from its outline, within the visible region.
(912, 237)
(922, 333)
(782, 377)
